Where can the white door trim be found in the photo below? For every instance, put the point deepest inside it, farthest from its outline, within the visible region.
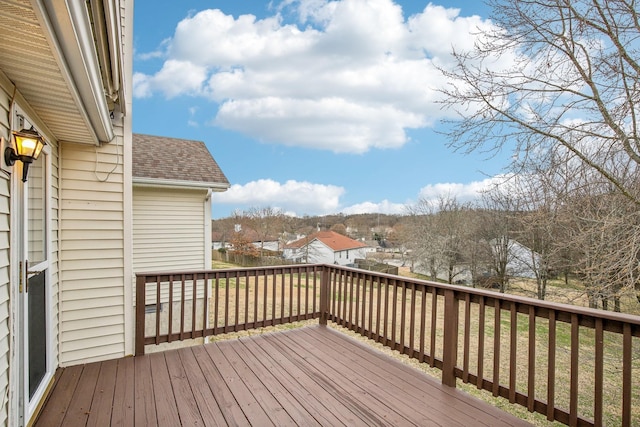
(21, 408)
(33, 403)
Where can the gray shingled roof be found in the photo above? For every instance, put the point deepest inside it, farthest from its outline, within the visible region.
(174, 159)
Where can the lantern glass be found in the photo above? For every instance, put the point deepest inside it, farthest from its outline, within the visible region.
(29, 144)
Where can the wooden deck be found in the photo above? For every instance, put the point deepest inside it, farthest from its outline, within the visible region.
(308, 376)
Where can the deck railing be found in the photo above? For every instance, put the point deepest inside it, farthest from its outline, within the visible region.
(575, 365)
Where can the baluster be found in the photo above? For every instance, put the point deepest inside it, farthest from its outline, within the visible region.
(467, 337)
(551, 373)
(158, 305)
(434, 326)
(412, 321)
(573, 387)
(423, 320)
(531, 390)
(183, 287)
(216, 303)
(513, 350)
(626, 374)
(481, 325)
(403, 315)
(496, 348)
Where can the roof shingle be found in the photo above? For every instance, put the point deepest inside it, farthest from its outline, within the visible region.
(174, 159)
(333, 240)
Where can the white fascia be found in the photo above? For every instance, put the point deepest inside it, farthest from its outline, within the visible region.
(67, 26)
(165, 183)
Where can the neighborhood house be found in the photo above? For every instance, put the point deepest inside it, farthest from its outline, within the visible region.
(325, 247)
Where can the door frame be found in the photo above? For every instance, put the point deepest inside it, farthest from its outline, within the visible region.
(21, 406)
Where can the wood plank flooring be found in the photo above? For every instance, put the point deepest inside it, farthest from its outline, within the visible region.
(312, 376)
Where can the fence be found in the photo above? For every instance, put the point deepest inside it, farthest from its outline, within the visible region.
(573, 364)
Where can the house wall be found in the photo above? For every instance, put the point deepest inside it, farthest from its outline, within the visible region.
(92, 252)
(86, 233)
(170, 233)
(96, 321)
(318, 253)
(7, 312)
(268, 246)
(169, 229)
(349, 256)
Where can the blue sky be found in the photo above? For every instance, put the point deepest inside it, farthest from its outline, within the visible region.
(310, 106)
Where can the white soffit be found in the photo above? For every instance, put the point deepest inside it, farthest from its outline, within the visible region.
(48, 78)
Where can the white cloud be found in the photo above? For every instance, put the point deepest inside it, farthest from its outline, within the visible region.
(292, 196)
(175, 78)
(350, 76)
(150, 55)
(295, 122)
(304, 198)
(462, 192)
(141, 85)
(384, 207)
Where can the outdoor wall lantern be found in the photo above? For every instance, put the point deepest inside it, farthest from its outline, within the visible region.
(28, 146)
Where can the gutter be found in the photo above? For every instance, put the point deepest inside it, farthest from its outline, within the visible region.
(105, 18)
(68, 29)
(172, 183)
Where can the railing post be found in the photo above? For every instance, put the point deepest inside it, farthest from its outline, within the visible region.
(140, 326)
(324, 295)
(450, 342)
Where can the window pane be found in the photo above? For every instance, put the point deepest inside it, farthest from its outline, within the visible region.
(36, 215)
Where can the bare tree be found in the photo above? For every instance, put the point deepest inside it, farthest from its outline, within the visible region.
(421, 239)
(267, 222)
(540, 190)
(339, 228)
(500, 207)
(553, 73)
(439, 236)
(398, 238)
(605, 242)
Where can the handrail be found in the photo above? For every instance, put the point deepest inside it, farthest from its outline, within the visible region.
(551, 358)
(201, 303)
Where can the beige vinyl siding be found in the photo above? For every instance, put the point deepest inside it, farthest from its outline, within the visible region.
(92, 253)
(4, 296)
(5, 247)
(5, 256)
(55, 250)
(168, 229)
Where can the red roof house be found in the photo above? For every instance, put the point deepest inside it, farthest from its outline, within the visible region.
(325, 247)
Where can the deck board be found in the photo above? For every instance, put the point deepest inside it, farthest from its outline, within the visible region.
(313, 398)
(359, 357)
(372, 404)
(144, 407)
(375, 381)
(99, 414)
(283, 395)
(230, 409)
(185, 399)
(245, 398)
(202, 394)
(308, 376)
(123, 395)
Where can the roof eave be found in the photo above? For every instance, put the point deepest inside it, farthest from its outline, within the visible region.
(67, 27)
(171, 183)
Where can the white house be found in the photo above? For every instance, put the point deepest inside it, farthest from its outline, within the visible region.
(523, 261)
(67, 231)
(325, 247)
(172, 184)
(224, 240)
